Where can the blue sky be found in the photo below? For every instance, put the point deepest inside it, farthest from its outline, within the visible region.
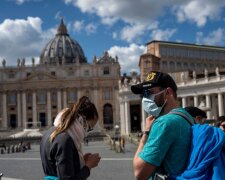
(121, 27)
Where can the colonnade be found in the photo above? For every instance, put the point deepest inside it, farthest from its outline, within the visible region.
(21, 105)
(212, 103)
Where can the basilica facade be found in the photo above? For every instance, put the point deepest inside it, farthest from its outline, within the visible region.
(32, 95)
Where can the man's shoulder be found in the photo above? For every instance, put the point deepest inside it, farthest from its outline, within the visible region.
(171, 119)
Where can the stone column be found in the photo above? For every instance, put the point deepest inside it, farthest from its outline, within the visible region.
(4, 111)
(184, 102)
(24, 109)
(116, 106)
(95, 95)
(49, 109)
(19, 118)
(208, 105)
(95, 99)
(220, 104)
(79, 93)
(122, 118)
(196, 104)
(64, 98)
(214, 107)
(127, 116)
(34, 109)
(59, 100)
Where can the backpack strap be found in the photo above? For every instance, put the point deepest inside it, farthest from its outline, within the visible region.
(184, 116)
(163, 175)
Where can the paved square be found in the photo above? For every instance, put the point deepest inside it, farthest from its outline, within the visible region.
(27, 166)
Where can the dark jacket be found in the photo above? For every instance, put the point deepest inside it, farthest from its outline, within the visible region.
(60, 158)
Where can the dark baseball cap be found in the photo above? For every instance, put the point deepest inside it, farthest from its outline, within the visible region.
(194, 111)
(154, 79)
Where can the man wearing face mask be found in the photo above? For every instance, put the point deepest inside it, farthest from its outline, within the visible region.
(164, 146)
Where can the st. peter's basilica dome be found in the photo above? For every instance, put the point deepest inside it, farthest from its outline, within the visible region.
(62, 49)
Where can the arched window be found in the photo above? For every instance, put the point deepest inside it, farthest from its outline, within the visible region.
(108, 116)
(179, 66)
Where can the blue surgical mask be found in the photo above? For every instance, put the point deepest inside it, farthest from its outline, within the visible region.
(150, 106)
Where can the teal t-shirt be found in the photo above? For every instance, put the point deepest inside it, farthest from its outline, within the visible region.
(169, 142)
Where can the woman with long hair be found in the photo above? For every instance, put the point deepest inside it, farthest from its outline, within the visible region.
(61, 146)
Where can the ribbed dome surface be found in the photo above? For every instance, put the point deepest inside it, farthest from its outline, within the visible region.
(62, 49)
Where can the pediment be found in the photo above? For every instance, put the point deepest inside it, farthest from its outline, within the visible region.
(40, 76)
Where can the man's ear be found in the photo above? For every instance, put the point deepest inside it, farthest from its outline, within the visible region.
(169, 91)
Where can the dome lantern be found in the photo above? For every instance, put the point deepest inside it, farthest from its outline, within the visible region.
(62, 30)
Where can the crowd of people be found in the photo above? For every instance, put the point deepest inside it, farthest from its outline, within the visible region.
(14, 148)
(201, 117)
(117, 144)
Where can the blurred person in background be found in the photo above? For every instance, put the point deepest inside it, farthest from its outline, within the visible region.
(221, 123)
(198, 114)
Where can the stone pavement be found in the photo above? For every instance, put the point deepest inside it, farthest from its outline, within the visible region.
(27, 166)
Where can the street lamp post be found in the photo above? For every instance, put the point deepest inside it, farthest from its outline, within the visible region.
(116, 131)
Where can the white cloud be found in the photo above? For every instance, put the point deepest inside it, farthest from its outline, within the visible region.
(216, 37)
(130, 33)
(130, 12)
(19, 2)
(128, 56)
(78, 26)
(137, 15)
(199, 11)
(114, 35)
(90, 28)
(67, 1)
(22, 38)
(58, 15)
(109, 20)
(163, 35)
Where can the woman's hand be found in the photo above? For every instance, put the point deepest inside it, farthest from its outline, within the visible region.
(91, 160)
(86, 156)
